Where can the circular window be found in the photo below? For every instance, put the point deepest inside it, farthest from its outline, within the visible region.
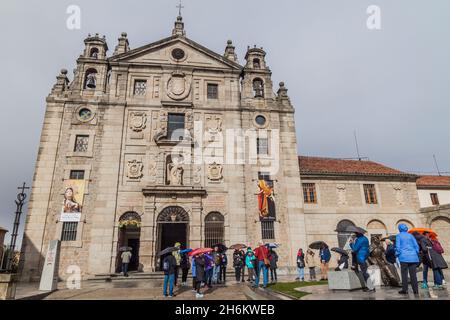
(178, 54)
(260, 120)
(85, 114)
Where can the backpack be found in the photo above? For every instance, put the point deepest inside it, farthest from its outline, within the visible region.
(437, 247)
(166, 265)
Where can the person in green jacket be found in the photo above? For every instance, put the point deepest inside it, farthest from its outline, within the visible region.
(250, 261)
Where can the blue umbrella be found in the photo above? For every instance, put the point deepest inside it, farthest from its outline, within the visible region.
(185, 251)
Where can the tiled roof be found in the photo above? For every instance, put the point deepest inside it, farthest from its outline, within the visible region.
(318, 165)
(433, 181)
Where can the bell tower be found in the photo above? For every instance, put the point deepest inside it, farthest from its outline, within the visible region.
(257, 78)
(92, 67)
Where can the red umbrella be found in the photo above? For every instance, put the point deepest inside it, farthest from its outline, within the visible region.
(199, 251)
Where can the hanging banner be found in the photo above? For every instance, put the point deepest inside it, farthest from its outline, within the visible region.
(266, 201)
(73, 201)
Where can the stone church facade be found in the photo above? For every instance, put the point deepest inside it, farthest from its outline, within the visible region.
(107, 175)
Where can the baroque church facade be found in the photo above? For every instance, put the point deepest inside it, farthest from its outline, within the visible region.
(172, 142)
(161, 144)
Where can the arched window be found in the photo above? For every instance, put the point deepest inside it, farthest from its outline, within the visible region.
(94, 53)
(376, 228)
(214, 229)
(256, 63)
(90, 81)
(342, 234)
(258, 88)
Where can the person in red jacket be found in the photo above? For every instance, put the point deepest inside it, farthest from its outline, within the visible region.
(262, 258)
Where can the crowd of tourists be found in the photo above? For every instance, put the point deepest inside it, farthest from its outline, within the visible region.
(208, 267)
(405, 251)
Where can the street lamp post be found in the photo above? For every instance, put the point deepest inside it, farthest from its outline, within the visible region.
(19, 204)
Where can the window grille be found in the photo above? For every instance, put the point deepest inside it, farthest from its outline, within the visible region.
(175, 125)
(309, 192)
(213, 91)
(81, 143)
(214, 229)
(69, 231)
(140, 87)
(268, 230)
(77, 174)
(370, 194)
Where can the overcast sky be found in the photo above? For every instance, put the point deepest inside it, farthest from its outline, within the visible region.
(390, 85)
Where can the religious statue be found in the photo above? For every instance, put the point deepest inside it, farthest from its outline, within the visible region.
(175, 173)
(70, 205)
(377, 257)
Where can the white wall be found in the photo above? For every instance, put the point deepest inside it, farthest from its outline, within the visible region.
(425, 198)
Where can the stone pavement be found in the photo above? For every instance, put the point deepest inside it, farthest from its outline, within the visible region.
(131, 290)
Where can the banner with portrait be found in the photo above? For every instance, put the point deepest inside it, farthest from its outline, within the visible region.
(73, 200)
(266, 201)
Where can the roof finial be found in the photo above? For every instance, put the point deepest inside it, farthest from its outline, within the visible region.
(180, 6)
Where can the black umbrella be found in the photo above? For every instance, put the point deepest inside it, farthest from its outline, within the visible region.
(391, 237)
(317, 245)
(168, 250)
(340, 250)
(355, 229)
(221, 246)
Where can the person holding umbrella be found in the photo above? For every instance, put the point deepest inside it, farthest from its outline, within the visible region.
(407, 252)
(238, 262)
(200, 264)
(360, 246)
(184, 265)
(273, 259)
(223, 268)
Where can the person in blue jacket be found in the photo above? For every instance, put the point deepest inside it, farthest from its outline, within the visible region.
(407, 252)
(325, 256)
(360, 246)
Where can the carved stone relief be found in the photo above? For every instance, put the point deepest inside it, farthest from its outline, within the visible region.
(342, 194)
(399, 194)
(134, 170)
(215, 172)
(178, 86)
(161, 130)
(137, 122)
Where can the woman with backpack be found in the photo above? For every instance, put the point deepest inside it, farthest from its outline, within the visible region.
(300, 265)
(238, 263)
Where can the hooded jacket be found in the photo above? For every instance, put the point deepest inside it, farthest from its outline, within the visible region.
(361, 248)
(406, 247)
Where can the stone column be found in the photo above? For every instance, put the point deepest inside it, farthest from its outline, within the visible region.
(196, 223)
(148, 235)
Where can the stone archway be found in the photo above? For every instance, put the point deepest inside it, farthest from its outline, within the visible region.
(129, 236)
(172, 227)
(441, 225)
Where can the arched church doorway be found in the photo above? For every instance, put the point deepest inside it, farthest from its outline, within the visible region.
(129, 236)
(173, 224)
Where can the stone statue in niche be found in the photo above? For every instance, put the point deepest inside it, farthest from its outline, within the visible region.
(175, 172)
(341, 191)
(134, 169)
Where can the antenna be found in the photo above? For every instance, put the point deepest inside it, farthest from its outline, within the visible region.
(356, 143)
(436, 164)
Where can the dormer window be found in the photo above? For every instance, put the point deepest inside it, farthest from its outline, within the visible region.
(90, 81)
(258, 88)
(94, 53)
(256, 63)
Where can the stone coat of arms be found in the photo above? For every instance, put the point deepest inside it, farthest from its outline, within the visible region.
(178, 86)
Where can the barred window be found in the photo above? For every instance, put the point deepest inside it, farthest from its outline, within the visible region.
(262, 146)
(267, 230)
(370, 194)
(69, 231)
(81, 143)
(214, 229)
(434, 199)
(77, 174)
(140, 87)
(213, 91)
(309, 192)
(175, 124)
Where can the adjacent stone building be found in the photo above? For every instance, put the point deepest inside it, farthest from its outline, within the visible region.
(107, 175)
